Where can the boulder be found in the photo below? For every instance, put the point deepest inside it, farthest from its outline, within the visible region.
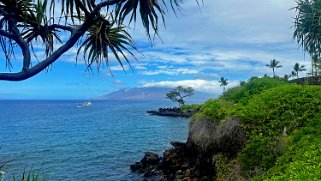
(150, 159)
(136, 167)
(210, 137)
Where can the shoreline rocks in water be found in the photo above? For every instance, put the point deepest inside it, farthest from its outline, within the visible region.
(196, 159)
(173, 112)
(177, 163)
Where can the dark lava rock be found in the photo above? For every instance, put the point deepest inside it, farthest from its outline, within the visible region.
(173, 112)
(135, 167)
(150, 159)
(148, 166)
(178, 163)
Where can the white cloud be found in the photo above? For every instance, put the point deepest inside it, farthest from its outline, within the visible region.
(139, 67)
(227, 36)
(212, 87)
(118, 68)
(178, 71)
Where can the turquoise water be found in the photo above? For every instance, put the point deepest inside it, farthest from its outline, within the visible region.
(92, 143)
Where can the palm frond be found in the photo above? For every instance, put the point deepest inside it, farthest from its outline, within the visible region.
(307, 25)
(104, 39)
(74, 9)
(150, 11)
(39, 29)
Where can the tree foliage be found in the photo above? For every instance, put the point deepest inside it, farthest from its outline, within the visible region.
(302, 159)
(307, 26)
(298, 68)
(245, 91)
(223, 82)
(100, 27)
(281, 122)
(179, 93)
(273, 65)
(214, 110)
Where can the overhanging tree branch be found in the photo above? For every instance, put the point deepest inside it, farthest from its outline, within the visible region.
(12, 23)
(7, 34)
(27, 73)
(21, 22)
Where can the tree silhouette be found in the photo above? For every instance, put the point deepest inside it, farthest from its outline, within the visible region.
(293, 74)
(298, 68)
(223, 82)
(273, 65)
(98, 27)
(179, 93)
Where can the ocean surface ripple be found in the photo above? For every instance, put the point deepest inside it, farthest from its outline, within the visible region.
(69, 143)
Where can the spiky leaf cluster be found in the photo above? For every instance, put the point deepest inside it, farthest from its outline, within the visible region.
(307, 25)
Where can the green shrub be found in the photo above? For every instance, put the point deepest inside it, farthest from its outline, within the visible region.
(266, 116)
(244, 92)
(190, 108)
(287, 106)
(214, 110)
(227, 169)
(302, 159)
(261, 153)
(221, 166)
(282, 142)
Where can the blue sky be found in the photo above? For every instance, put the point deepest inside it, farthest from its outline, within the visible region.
(230, 38)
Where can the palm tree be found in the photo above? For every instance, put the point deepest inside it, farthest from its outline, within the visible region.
(315, 60)
(273, 65)
(223, 82)
(293, 74)
(307, 27)
(298, 68)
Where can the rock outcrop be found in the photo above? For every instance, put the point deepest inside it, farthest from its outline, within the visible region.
(194, 160)
(174, 112)
(178, 163)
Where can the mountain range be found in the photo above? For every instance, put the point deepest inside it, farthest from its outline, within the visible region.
(149, 93)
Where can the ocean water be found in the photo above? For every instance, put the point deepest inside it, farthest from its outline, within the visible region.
(93, 143)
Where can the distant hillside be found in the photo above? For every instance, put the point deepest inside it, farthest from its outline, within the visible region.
(148, 93)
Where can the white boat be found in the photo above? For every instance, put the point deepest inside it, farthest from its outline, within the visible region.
(85, 104)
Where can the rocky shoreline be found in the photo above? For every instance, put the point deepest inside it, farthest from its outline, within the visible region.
(195, 160)
(173, 112)
(177, 163)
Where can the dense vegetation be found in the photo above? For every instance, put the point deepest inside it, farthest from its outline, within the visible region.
(255, 85)
(281, 122)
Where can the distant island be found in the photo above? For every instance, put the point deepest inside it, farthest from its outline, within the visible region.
(149, 94)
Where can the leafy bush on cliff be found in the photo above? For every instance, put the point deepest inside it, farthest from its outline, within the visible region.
(282, 143)
(220, 109)
(260, 154)
(287, 106)
(302, 160)
(190, 108)
(214, 110)
(244, 92)
(266, 117)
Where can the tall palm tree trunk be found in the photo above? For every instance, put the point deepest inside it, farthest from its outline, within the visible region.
(273, 72)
